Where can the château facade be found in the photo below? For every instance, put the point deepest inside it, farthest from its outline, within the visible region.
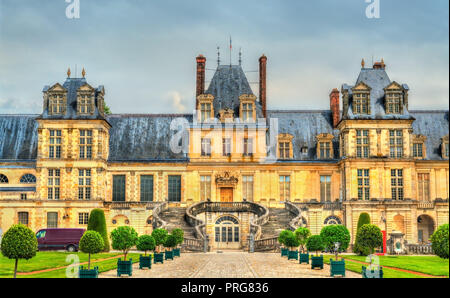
(322, 167)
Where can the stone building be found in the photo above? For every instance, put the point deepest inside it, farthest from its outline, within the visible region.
(233, 169)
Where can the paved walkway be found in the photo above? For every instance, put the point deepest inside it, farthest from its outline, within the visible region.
(230, 265)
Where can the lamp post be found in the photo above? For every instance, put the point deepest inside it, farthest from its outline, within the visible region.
(205, 249)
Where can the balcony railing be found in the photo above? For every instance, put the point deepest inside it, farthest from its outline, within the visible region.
(425, 205)
(419, 249)
(192, 244)
(130, 205)
(267, 244)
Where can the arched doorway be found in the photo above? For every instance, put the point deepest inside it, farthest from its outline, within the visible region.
(425, 227)
(227, 233)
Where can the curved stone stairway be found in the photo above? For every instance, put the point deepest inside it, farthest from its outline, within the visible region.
(279, 219)
(175, 219)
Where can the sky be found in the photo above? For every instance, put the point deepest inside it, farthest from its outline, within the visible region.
(144, 51)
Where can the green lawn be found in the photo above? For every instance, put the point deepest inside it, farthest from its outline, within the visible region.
(432, 265)
(47, 259)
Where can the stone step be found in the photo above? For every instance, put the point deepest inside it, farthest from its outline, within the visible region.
(279, 219)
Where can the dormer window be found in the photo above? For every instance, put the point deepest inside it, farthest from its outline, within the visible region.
(325, 146)
(247, 107)
(247, 111)
(85, 100)
(285, 146)
(85, 105)
(418, 146)
(394, 103)
(444, 147)
(205, 111)
(361, 103)
(56, 104)
(304, 150)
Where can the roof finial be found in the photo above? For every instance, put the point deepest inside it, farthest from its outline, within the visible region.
(240, 56)
(218, 56)
(382, 63)
(362, 63)
(83, 72)
(68, 72)
(231, 47)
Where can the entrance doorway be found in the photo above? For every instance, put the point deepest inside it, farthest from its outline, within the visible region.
(425, 228)
(227, 233)
(226, 194)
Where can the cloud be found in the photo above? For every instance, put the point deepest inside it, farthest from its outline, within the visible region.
(176, 102)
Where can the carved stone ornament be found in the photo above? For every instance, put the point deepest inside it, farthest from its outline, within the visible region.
(226, 179)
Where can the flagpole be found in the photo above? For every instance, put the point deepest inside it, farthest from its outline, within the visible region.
(230, 50)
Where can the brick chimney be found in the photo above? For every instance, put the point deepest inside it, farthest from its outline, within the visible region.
(334, 106)
(200, 88)
(262, 83)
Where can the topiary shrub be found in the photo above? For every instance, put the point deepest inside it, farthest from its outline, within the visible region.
(171, 241)
(315, 243)
(291, 241)
(123, 238)
(335, 233)
(283, 235)
(369, 237)
(160, 236)
(179, 234)
(91, 243)
(364, 218)
(302, 235)
(19, 242)
(97, 222)
(440, 241)
(146, 243)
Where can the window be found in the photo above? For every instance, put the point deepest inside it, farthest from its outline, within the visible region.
(83, 218)
(304, 150)
(23, 218)
(205, 188)
(361, 103)
(146, 188)
(3, 179)
(56, 104)
(285, 187)
(363, 184)
(206, 147)
(362, 143)
(86, 144)
(284, 148)
(248, 146)
(418, 150)
(424, 186)
(226, 146)
(397, 184)
(332, 220)
(396, 143)
(205, 111)
(84, 184)
(52, 219)
(119, 188)
(85, 104)
(325, 150)
(247, 188)
(23, 196)
(53, 184)
(174, 188)
(247, 111)
(28, 178)
(55, 144)
(325, 188)
(393, 103)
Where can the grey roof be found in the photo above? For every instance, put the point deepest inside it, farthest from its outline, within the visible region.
(72, 85)
(433, 125)
(304, 126)
(18, 137)
(227, 84)
(377, 80)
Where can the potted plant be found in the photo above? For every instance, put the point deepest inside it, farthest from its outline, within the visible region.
(292, 243)
(315, 243)
(336, 238)
(145, 243)
(302, 235)
(281, 240)
(19, 242)
(160, 236)
(179, 234)
(91, 243)
(171, 242)
(124, 238)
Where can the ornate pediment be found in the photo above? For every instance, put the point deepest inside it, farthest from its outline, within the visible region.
(226, 179)
(361, 87)
(226, 114)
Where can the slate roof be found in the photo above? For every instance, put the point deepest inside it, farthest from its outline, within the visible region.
(18, 137)
(227, 84)
(377, 79)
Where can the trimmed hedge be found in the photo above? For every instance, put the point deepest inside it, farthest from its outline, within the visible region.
(124, 238)
(335, 233)
(364, 218)
(369, 237)
(440, 241)
(146, 243)
(91, 243)
(97, 222)
(315, 243)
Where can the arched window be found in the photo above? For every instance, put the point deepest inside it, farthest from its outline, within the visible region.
(28, 178)
(3, 179)
(332, 220)
(227, 218)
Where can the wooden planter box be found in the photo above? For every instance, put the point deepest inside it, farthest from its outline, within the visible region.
(304, 258)
(168, 255)
(124, 267)
(176, 252)
(284, 252)
(158, 258)
(317, 262)
(87, 273)
(372, 273)
(293, 255)
(337, 267)
(145, 262)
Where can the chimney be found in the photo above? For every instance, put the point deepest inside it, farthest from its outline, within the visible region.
(334, 106)
(201, 62)
(262, 83)
(379, 65)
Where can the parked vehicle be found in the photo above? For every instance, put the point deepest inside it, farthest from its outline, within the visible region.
(54, 239)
